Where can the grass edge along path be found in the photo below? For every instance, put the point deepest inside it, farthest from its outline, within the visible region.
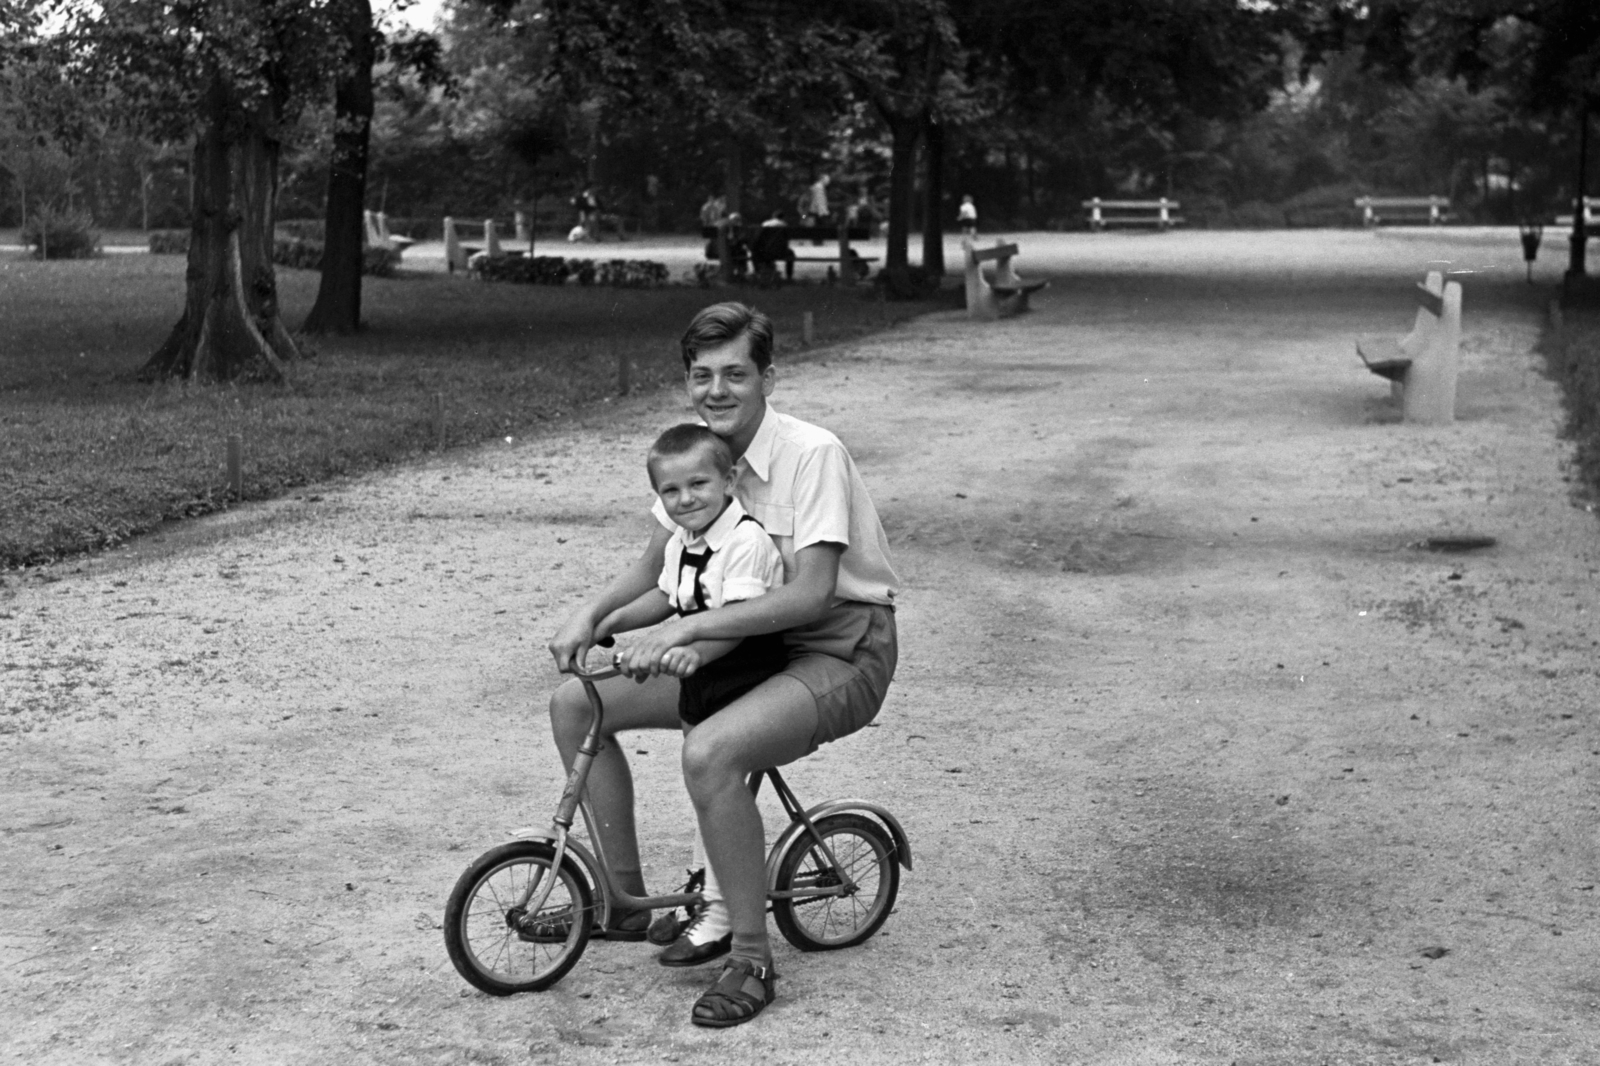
(94, 457)
(1570, 345)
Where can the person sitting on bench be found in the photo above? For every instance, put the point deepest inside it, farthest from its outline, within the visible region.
(772, 244)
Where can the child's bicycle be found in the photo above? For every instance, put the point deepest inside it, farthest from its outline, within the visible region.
(520, 915)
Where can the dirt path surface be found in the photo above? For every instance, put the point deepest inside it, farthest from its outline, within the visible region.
(1196, 755)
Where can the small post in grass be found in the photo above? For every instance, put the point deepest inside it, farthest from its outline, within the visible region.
(236, 465)
(624, 371)
(808, 328)
(438, 420)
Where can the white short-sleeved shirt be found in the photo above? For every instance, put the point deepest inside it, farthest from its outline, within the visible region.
(800, 483)
(744, 562)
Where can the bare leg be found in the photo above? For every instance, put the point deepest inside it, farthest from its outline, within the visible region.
(629, 705)
(770, 726)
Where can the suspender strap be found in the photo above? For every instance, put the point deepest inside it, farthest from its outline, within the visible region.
(700, 560)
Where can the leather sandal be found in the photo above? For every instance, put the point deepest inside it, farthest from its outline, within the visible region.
(743, 991)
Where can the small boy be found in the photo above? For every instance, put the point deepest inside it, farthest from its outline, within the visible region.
(967, 215)
(717, 555)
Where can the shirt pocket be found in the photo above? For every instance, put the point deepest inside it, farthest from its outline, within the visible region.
(776, 518)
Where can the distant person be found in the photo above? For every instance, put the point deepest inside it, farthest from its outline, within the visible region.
(817, 204)
(967, 215)
(588, 206)
(770, 245)
(714, 210)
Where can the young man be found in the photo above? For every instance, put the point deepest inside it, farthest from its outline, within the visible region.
(835, 611)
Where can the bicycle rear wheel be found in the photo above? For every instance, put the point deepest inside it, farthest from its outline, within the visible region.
(866, 857)
(501, 949)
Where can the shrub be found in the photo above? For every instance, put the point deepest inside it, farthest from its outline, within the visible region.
(554, 270)
(306, 229)
(537, 270)
(633, 273)
(306, 254)
(169, 242)
(54, 234)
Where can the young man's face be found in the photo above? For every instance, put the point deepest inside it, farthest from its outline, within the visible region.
(691, 488)
(729, 393)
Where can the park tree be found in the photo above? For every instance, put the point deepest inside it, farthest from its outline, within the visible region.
(338, 305)
(231, 75)
(1545, 55)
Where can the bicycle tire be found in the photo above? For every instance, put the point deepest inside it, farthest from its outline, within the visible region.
(490, 945)
(825, 922)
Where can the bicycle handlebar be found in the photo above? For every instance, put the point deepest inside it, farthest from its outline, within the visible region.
(603, 672)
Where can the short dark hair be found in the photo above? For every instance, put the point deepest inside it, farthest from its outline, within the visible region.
(684, 438)
(721, 323)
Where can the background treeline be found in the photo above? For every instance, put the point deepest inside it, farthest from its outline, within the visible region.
(498, 127)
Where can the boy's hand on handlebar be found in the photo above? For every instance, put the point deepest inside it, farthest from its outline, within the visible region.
(680, 662)
(643, 658)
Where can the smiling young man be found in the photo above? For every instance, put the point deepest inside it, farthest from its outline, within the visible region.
(835, 612)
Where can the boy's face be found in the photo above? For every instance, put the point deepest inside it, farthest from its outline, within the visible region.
(729, 393)
(691, 488)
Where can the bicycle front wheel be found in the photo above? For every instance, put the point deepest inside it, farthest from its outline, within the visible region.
(499, 947)
(825, 922)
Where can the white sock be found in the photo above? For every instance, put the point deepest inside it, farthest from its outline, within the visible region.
(714, 923)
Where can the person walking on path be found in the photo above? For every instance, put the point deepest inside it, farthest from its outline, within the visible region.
(967, 215)
(835, 612)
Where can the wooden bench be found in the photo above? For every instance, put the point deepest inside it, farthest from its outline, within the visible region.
(1162, 213)
(1376, 210)
(1421, 367)
(1007, 294)
(378, 235)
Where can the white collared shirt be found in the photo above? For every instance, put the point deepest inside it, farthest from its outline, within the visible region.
(744, 562)
(799, 482)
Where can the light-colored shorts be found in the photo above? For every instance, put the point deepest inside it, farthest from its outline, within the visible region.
(847, 659)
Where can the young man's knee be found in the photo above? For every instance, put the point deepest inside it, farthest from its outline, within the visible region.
(703, 771)
(569, 710)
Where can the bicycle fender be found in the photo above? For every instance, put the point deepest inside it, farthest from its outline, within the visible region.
(902, 845)
(575, 848)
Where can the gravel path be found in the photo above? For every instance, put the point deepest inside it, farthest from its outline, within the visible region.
(1196, 755)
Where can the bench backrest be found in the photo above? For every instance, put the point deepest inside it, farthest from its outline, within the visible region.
(999, 251)
(1171, 205)
(798, 233)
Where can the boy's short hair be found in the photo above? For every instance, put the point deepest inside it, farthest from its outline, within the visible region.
(685, 438)
(721, 323)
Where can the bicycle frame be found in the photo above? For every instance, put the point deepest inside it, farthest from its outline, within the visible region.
(574, 799)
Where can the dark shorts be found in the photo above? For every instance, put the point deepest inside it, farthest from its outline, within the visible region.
(847, 659)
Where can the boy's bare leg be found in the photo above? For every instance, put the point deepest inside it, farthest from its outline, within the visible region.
(771, 726)
(628, 705)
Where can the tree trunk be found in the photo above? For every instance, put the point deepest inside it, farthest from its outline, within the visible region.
(230, 327)
(933, 209)
(338, 306)
(732, 192)
(904, 131)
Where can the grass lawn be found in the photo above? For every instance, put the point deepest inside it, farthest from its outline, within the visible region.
(93, 456)
(1573, 355)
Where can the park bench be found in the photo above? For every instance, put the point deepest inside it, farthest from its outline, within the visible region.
(1591, 215)
(767, 245)
(1421, 367)
(1162, 213)
(378, 235)
(458, 255)
(1007, 294)
(1376, 210)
